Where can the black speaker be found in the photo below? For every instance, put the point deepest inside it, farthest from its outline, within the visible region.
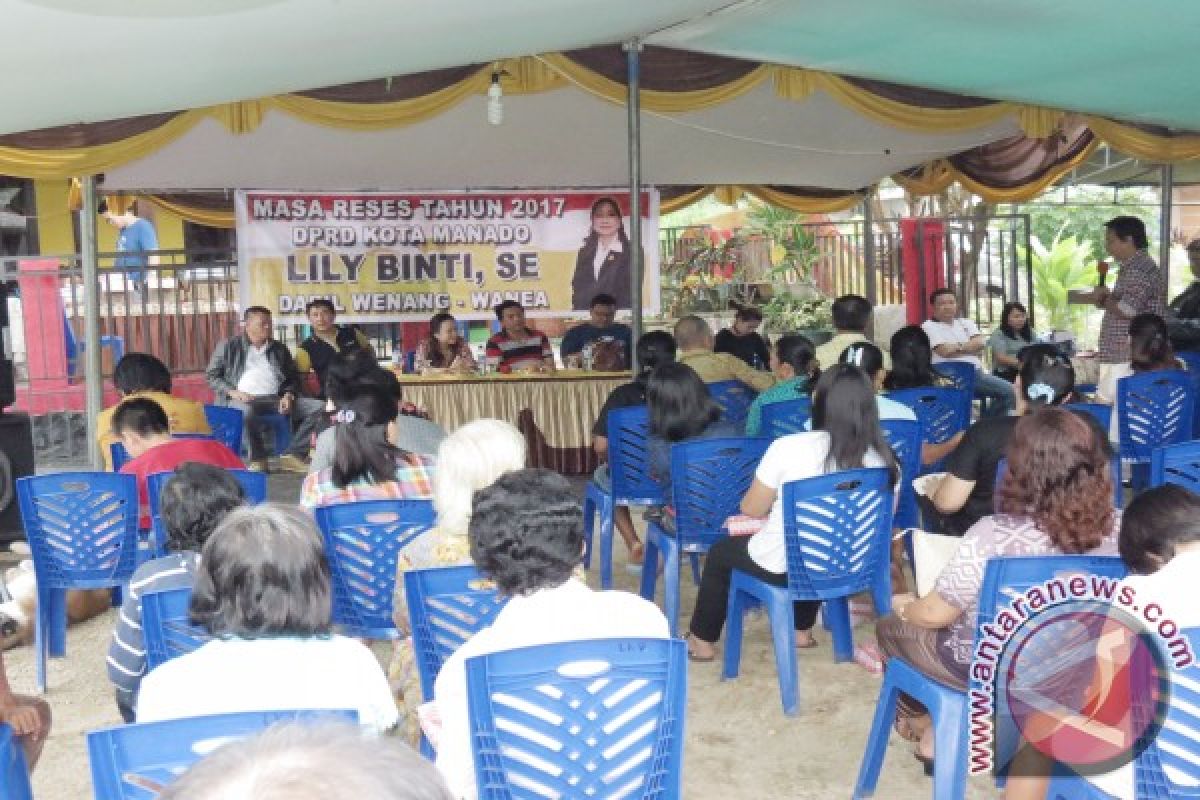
(16, 461)
(8, 387)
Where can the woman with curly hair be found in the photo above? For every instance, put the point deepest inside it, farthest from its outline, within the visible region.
(526, 535)
(1056, 498)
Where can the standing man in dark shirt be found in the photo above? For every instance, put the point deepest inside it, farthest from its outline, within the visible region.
(1183, 313)
(742, 339)
(601, 326)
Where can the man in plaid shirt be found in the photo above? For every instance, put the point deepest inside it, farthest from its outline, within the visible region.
(1139, 289)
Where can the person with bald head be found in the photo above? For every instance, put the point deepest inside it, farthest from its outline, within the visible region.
(695, 341)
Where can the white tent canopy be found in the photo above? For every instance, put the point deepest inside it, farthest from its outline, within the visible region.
(565, 137)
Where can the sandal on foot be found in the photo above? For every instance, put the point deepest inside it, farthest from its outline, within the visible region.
(693, 656)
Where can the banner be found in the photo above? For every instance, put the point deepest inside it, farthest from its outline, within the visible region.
(388, 257)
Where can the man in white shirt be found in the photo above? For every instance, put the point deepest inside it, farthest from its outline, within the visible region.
(255, 373)
(955, 338)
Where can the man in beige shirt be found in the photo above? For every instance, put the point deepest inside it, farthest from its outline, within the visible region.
(695, 341)
(851, 315)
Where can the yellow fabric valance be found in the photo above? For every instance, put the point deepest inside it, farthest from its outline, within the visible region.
(212, 217)
(798, 202)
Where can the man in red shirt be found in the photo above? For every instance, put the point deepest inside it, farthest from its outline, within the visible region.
(143, 428)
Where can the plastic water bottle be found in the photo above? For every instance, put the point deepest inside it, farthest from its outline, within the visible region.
(587, 357)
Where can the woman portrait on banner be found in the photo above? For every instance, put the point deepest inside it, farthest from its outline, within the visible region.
(602, 265)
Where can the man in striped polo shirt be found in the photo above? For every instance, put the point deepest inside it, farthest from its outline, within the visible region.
(517, 348)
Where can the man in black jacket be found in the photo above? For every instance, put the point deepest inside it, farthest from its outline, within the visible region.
(255, 373)
(328, 339)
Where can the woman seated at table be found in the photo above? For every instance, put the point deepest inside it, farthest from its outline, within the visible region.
(846, 435)
(912, 368)
(653, 350)
(1008, 340)
(793, 359)
(263, 593)
(526, 534)
(444, 350)
(470, 459)
(1056, 498)
(367, 464)
(681, 410)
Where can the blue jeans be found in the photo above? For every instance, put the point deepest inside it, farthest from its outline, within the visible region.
(999, 393)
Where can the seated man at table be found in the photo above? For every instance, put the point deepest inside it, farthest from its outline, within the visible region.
(142, 426)
(143, 375)
(743, 340)
(601, 328)
(851, 316)
(255, 373)
(955, 338)
(318, 351)
(517, 348)
(695, 341)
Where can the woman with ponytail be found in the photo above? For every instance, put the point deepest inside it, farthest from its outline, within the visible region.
(1149, 351)
(367, 464)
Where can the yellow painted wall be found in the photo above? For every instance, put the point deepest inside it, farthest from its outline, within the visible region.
(57, 237)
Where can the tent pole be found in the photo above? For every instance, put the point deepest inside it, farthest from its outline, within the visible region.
(868, 248)
(1166, 197)
(94, 379)
(633, 49)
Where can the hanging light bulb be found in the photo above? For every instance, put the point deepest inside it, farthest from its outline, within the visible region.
(495, 103)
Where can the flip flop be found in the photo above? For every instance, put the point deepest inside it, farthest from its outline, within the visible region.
(687, 637)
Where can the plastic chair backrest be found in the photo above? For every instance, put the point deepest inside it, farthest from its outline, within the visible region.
(134, 762)
(446, 606)
(942, 411)
(734, 398)
(1153, 409)
(362, 542)
(709, 477)
(1191, 359)
(599, 718)
(82, 528)
(1168, 767)
(1007, 577)
(118, 455)
(226, 424)
(254, 484)
(628, 457)
(14, 771)
(1178, 464)
(1101, 412)
(904, 435)
(785, 417)
(165, 626)
(960, 372)
(837, 531)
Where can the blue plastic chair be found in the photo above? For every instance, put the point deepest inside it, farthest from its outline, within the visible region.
(905, 438)
(119, 456)
(734, 398)
(1173, 747)
(1003, 579)
(1101, 412)
(281, 431)
(629, 475)
(166, 629)
(708, 480)
(838, 534)
(446, 606)
(599, 718)
(14, 771)
(785, 417)
(1154, 409)
(942, 412)
(135, 762)
(963, 376)
(226, 424)
(1191, 359)
(254, 484)
(1178, 464)
(362, 542)
(83, 534)
(75, 348)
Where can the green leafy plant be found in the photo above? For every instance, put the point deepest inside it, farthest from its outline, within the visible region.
(786, 312)
(1066, 264)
